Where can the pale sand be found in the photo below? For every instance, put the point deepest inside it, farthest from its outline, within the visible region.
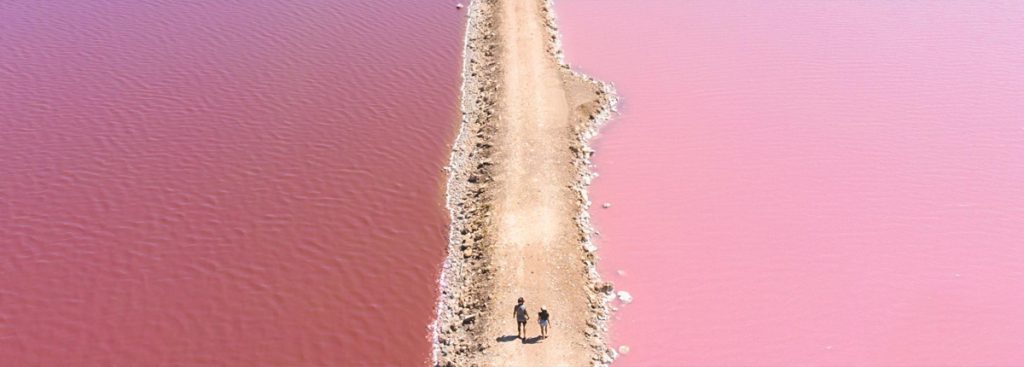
(518, 200)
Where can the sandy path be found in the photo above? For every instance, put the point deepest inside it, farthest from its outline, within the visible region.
(516, 194)
(536, 250)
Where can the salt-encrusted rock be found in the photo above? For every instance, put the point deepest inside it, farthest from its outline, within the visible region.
(623, 349)
(612, 353)
(625, 297)
(606, 205)
(458, 6)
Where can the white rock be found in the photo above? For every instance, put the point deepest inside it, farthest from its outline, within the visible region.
(458, 6)
(623, 349)
(625, 297)
(621, 273)
(606, 205)
(610, 297)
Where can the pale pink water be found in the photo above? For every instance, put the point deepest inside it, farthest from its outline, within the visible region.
(811, 182)
(223, 183)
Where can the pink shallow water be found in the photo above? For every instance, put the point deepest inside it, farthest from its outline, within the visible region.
(223, 183)
(811, 182)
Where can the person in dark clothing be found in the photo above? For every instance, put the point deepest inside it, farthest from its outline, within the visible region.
(521, 317)
(542, 318)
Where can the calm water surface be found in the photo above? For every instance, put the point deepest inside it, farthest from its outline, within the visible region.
(811, 182)
(223, 183)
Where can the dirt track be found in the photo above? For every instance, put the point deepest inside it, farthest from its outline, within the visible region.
(517, 194)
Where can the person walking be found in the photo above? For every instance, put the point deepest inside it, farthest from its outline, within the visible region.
(521, 317)
(542, 318)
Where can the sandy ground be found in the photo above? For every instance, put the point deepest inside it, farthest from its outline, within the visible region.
(518, 199)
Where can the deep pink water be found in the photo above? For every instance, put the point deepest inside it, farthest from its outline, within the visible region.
(237, 183)
(811, 182)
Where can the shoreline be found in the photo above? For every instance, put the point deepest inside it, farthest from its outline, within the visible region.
(478, 184)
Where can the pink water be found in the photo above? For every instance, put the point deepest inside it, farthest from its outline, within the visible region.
(811, 182)
(237, 183)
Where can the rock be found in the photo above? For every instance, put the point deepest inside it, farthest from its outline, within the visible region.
(469, 319)
(458, 6)
(625, 297)
(467, 252)
(606, 205)
(623, 349)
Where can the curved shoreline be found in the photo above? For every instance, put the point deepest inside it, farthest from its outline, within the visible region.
(463, 332)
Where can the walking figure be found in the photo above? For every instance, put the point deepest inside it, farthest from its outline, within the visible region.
(521, 317)
(542, 318)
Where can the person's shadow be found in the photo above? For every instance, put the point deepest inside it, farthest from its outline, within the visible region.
(533, 340)
(508, 338)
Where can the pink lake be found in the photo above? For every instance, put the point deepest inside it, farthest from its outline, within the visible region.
(811, 182)
(223, 183)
